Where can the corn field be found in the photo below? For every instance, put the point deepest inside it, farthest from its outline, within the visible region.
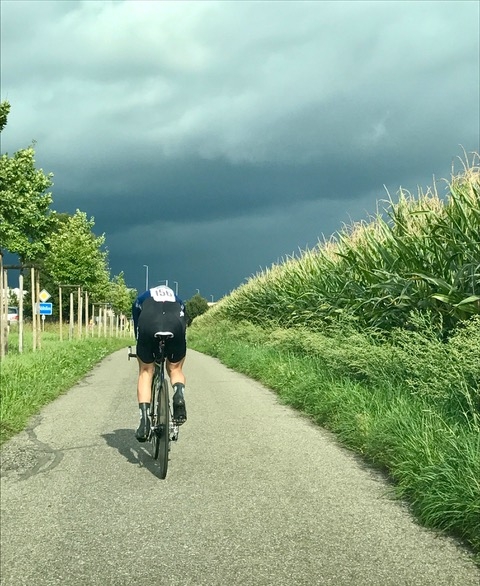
(419, 254)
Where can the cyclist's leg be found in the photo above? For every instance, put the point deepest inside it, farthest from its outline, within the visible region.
(176, 349)
(144, 392)
(177, 378)
(145, 376)
(175, 371)
(146, 368)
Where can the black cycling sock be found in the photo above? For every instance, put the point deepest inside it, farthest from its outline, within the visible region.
(144, 407)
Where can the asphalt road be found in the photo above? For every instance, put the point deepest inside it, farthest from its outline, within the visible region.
(255, 495)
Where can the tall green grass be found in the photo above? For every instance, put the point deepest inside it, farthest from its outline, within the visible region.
(415, 419)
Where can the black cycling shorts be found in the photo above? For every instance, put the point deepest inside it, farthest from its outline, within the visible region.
(161, 317)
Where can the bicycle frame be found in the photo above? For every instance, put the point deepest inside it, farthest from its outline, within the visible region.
(160, 436)
(160, 371)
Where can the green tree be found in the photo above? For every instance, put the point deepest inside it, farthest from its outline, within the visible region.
(121, 297)
(4, 111)
(75, 256)
(25, 214)
(195, 307)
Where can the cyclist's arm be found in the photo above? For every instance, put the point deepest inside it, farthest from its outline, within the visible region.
(137, 309)
(182, 306)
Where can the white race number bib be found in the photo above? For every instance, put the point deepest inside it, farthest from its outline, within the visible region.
(162, 293)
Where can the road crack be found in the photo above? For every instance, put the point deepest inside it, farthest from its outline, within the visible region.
(26, 456)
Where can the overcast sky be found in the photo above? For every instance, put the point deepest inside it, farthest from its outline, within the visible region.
(211, 139)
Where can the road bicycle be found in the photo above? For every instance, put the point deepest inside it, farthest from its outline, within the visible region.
(163, 427)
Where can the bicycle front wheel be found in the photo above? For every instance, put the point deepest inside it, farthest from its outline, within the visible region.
(163, 429)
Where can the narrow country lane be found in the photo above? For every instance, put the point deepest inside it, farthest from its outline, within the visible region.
(255, 495)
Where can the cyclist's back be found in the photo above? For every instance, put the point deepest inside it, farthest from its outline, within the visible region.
(159, 310)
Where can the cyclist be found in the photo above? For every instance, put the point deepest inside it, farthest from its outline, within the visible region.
(159, 310)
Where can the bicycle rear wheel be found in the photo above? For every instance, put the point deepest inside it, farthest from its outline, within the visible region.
(154, 409)
(163, 429)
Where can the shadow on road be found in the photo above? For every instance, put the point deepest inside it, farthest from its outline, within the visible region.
(123, 440)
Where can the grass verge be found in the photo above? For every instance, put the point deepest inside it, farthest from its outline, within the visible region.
(427, 439)
(31, 380)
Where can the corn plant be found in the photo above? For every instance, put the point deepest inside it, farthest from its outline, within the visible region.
(419, 254)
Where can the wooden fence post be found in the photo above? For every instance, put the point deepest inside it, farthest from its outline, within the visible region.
(71, 322)
(34, 316)
(37, 313)
(20, 312)
(60, 312)
(79, 312)
(87, 325)
(3, 319)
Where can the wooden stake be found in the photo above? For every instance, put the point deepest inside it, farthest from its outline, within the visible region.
(34, 309)
(99, 321)
(79, 312)
(87, 325)
(39, 329)
(20, 313)
(60, 312)
(3, 316)
(70, 329)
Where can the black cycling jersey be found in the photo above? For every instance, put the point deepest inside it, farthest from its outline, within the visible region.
(153, 314)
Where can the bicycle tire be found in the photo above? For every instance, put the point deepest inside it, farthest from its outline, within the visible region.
(163, 434)
(154, 415)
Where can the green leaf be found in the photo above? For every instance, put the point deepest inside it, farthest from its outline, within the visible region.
(442, 298)
(471, 299)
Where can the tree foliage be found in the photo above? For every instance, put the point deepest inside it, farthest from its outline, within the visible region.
(196, 306)
(25, 214)
(61, 246)
(121, 297)
(4, 111)
(75, 256)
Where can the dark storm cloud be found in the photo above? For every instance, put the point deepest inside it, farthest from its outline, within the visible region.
(218, 255)
(238, 129)
(197, 190)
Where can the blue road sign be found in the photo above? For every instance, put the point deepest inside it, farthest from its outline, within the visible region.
(45, 308)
